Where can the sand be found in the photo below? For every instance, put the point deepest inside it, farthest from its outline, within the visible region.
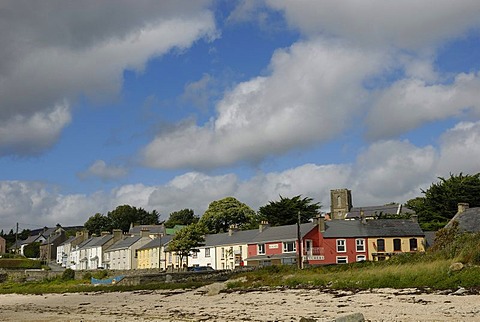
(273, 305)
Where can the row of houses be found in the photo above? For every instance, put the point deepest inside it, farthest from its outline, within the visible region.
(321, 242)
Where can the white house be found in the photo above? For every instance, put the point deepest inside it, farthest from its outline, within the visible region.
(123, 254)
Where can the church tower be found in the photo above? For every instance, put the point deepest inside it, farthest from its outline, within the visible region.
(340, 203)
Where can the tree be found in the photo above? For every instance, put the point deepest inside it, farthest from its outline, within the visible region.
(440, 201)
(181, 217)
(285, 211)
(98, 223)
(32, 250)
(121, 218)
(187, 240)
(222, 214)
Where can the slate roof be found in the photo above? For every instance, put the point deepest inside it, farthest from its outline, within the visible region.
(152, 229)
(372, 228)
(51, 239)
(68, 241)
(468, 221)
(85, 243)
(99, 241)
(237, 237)
(156, 242)
(282, 233)
(124, 243)
(31, 239)
(372, 211)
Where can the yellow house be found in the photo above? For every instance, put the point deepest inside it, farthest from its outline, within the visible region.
(382, 248)
(153, 255)
(388, 237)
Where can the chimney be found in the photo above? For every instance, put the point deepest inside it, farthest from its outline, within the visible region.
(117, 235)
(362, 217)
(232, 229)
(144, 232)
(263, 225)
(414, 217)
(462, 206)
(321, 224)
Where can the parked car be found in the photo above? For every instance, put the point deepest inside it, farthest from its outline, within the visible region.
(200, 269)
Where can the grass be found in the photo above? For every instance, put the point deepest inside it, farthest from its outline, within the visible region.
(420, 271)
(75, 286)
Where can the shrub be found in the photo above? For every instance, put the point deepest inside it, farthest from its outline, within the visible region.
(68, 274)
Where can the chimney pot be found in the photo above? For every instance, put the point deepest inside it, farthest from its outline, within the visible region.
(462, 206)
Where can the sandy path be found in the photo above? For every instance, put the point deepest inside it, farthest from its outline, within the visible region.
(277, 305)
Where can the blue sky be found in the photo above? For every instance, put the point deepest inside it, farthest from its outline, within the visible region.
(169, 105)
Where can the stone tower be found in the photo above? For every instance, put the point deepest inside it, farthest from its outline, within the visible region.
(340, 203)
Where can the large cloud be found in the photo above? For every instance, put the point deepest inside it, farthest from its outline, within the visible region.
(313, 93)
(410, 103)
(49, 59)
(408, 24)
(460, 149)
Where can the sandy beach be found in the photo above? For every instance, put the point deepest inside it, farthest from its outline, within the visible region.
(274, 305)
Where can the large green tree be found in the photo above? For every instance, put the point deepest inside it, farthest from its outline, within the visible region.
(286, 210)
(181, 217)
(440, 201)
(121, 218)
(221, 214)
(98, 223)
(187, 240)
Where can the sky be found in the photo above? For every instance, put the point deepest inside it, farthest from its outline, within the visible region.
(169, 105)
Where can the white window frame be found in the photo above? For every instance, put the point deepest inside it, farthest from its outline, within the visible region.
(361, 258)
(260, 249)
(341, 243)
(341, 258)
(207, 252)
(360, 245)
(291, 243)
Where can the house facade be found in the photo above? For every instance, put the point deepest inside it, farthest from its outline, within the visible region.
(64, 250)
(152, 254)
(207, 254)
(123, 254)
(279, 245)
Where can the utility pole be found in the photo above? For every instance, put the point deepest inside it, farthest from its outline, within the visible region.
(16, 240)
(299, 242)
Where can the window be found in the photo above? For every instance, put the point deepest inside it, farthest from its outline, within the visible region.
(223, 253)
(207, 252)
(341, 245)
(381, 245)
(361, 258)
(397, 245)
(360, 245)
(413, 244)
(261, 249)
(342, 260)
(289, 247)
(194, 254)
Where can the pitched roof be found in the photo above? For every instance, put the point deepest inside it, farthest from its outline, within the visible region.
(283, 233)
(236, 237)
(468, 220)
(152, 229)
(99, 241)
(68, 241)
(372, 228)
(124, 243)
(372, 211)
(157, 242)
